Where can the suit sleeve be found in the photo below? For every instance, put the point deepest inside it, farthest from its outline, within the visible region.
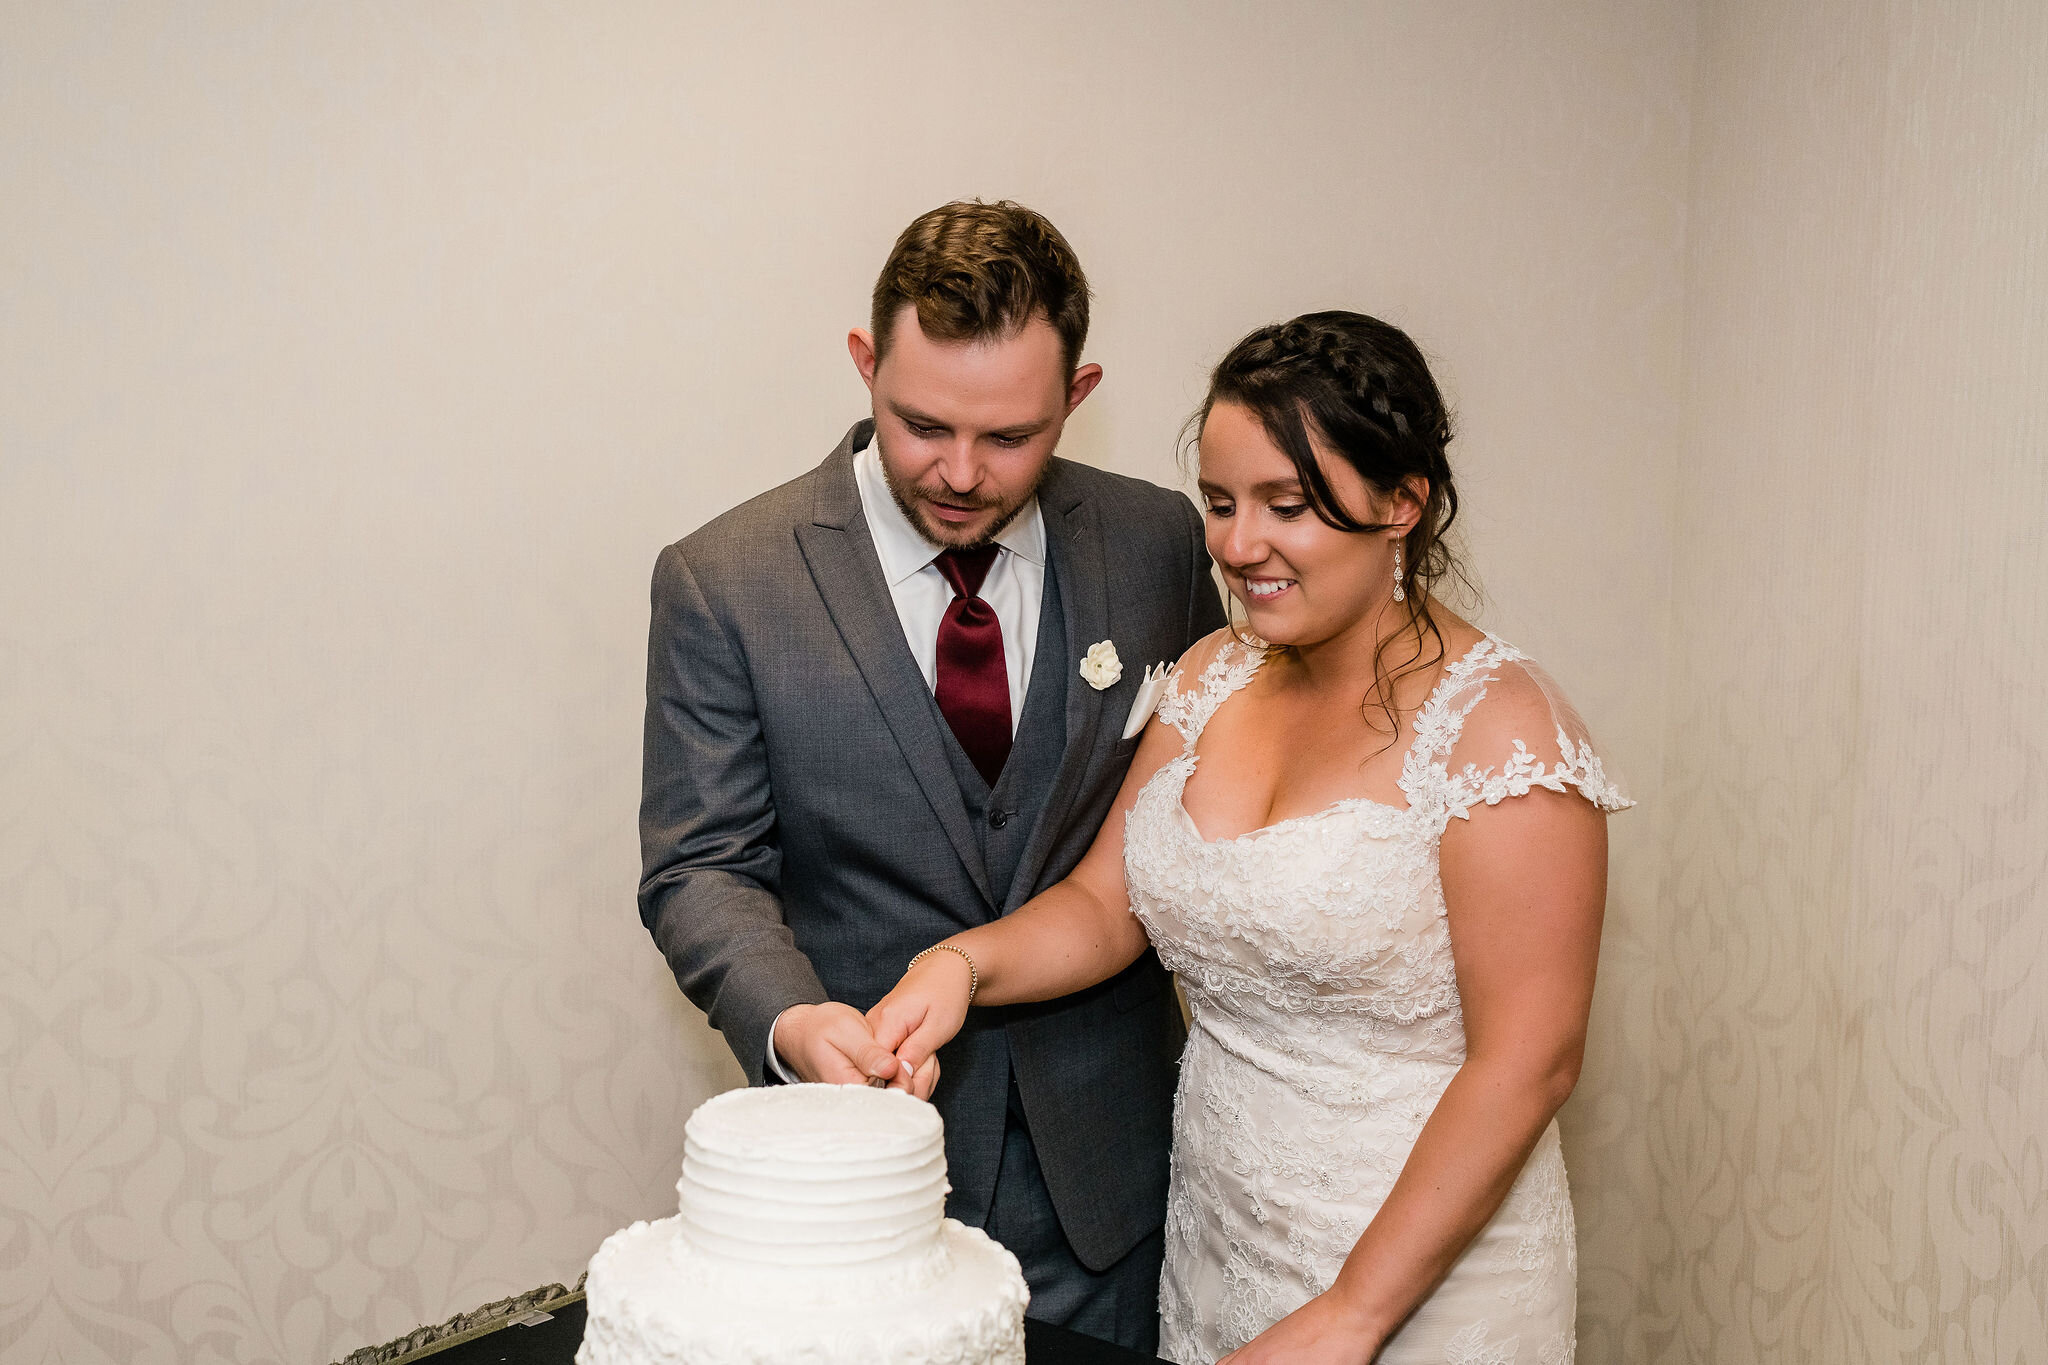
(1205, 607)
(710, 864)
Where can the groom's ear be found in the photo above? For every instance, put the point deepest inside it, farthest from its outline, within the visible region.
(1082, 384)
(861, 347)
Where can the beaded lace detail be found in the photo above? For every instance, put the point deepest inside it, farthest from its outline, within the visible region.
(1316, 956)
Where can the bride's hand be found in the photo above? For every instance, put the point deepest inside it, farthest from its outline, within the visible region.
(921, 1015)
(1323, 1331)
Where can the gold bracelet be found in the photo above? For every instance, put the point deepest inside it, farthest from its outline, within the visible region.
(973, 973)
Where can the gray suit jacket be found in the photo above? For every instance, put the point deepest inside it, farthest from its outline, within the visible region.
(804, 829)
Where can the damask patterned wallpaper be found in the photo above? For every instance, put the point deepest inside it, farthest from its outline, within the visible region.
(1849, 1121)
(355, 361)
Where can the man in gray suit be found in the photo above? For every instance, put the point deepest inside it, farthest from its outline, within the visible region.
(868, 727)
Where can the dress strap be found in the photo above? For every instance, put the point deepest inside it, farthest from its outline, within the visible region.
(1230, 670)
(1441, 720)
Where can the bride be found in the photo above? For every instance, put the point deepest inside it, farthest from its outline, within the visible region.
(1370, 839)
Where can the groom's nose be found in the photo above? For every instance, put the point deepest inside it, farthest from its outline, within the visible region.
(959, 467)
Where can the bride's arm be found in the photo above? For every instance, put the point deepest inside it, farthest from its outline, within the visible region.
(1073, 934)
(1525, 883)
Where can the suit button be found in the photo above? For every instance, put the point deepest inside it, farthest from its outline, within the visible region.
(998, 818)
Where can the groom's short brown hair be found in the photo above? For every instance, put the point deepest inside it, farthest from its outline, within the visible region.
(975, 271)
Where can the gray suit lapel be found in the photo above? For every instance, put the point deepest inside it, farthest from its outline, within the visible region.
(841, 557)
(1074, 545)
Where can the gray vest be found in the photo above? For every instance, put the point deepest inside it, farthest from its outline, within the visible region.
(1003, 818)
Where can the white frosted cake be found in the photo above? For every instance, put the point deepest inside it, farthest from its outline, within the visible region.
(812, 1228)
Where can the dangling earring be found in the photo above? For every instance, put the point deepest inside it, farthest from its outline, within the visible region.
(1400, 593)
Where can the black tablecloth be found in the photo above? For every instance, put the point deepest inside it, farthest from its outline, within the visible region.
(554, 1342)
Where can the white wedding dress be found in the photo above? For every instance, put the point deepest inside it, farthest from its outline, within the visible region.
(1326, 1024)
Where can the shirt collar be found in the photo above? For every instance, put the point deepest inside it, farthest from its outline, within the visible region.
(902, 548)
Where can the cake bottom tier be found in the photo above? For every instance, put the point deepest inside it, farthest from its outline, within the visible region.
(646, 1308)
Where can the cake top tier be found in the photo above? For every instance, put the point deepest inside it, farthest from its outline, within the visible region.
(814, 1123)
(820, 1176)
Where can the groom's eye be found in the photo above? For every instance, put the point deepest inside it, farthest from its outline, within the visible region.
(924, 433)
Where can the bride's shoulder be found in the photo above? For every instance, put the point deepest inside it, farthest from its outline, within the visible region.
(1210, 647)
(1509, 728)
(1213, 667)
(1456, 637)
(1497, 692)
(1505, 701)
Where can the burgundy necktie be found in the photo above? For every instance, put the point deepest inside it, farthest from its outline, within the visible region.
(973, 684)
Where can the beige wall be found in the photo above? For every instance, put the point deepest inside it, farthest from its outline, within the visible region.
(355, 362)
(1852, 999)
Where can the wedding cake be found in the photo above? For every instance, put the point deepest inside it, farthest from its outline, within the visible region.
(812, 1228)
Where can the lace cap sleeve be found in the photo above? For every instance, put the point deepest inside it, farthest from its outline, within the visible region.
(1213, 668)
(1513, 731)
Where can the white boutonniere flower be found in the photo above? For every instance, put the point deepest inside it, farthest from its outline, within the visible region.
(1102, 668)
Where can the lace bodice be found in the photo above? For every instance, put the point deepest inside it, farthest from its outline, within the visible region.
(1316, 955)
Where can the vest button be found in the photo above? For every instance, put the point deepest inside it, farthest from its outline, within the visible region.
(998, 818)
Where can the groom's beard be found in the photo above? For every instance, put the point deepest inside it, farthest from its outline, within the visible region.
(911, 500)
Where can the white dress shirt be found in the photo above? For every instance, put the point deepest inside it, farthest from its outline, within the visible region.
(1015, 587)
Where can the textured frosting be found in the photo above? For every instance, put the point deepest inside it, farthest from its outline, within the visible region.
(644, 1310)
(814, 1176)
(812, 1229)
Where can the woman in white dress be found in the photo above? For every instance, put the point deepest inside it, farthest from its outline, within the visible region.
(1370, 839)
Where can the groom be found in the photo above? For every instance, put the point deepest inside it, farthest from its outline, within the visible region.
(868, 727)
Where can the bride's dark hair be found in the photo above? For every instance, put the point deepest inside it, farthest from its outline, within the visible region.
(1359, 388)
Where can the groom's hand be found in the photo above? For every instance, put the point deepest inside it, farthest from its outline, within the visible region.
(832, 1043)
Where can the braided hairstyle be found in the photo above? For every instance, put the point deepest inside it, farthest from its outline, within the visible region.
(1360, 389)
